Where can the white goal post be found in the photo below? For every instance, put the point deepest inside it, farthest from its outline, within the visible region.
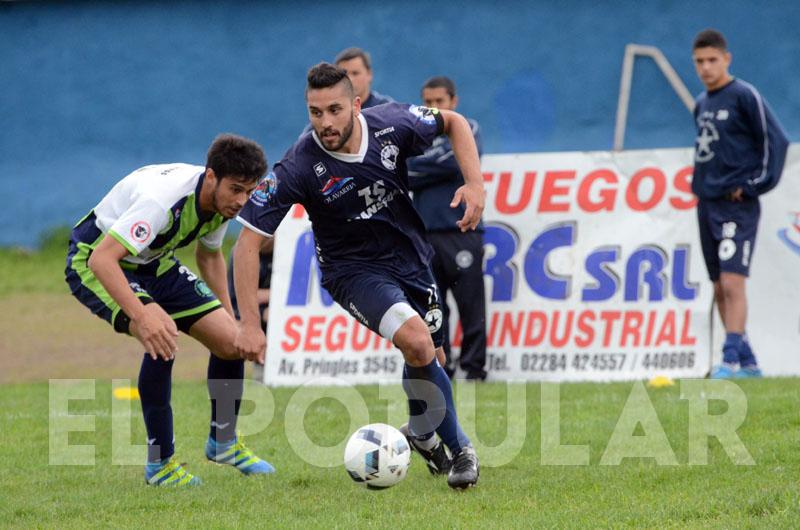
(631, 51)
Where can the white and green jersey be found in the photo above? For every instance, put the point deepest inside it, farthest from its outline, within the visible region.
(155, 210)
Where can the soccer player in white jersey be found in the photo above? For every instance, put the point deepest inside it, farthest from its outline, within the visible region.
(121, 265)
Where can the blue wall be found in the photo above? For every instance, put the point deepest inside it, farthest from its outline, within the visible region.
(91, 90)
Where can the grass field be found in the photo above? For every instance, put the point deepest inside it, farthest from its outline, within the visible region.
(523, 493)
(45, 334)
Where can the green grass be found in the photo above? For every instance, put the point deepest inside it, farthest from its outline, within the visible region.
(522, 493)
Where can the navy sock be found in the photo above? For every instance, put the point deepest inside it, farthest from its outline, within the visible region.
(431, 385)
(746, 355)
(730, 349)
(225, 389)
(418, 424)
(155, 390)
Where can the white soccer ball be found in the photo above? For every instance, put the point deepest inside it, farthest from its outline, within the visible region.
(377, 456)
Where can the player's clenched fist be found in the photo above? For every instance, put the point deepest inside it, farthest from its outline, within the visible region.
(156, 331)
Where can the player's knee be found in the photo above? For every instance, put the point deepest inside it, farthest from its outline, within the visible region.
(418, 349)
(226, 352)
(732, 286)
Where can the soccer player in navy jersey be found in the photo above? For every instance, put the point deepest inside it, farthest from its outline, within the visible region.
(349, 172)
(739, 154)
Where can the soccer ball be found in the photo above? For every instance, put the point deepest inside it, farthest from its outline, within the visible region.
(377, 456)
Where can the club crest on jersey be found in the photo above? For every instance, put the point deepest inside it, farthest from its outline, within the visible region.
(265, 190)
(434, 319)
(140, 231)
(708, 135)
(389, 154)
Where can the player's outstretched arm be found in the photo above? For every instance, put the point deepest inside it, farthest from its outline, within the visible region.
(215, 273)
(471, 194)
(250, 340)
(149, 323)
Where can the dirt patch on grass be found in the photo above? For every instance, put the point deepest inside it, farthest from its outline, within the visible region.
(51, 336)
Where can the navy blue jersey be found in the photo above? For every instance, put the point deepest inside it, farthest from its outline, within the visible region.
(375, 99)
(434, 178)
(358, 203)
(739, 144)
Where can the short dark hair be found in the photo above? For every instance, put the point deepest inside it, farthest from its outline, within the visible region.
(326, 75)
(710, 38)
(441, 81)
(353, 53)
(236, 157)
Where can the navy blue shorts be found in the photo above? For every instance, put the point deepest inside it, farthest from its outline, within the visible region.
(184, 296)
(369, 293)
(728, 234)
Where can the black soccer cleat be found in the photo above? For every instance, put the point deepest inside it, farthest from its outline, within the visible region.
(437, 459)
(465, 471)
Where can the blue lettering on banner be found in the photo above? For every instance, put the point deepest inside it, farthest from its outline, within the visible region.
(541, 279)
(648, 263)
(500, 267)
(646, 270)
(300, 282)
(607, 280)
(682, 288)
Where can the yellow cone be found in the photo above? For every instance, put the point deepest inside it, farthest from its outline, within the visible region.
(126, 393)
(660, 381)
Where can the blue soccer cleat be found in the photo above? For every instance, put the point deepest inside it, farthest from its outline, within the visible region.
(169, 473)
(236, 454)
(723, 371)
(749, 372)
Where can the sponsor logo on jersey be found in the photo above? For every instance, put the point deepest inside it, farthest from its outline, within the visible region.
(265, 189)
(387, 130)
(356, 313)
(202, 289)
(389, 155)
(426, 114)
(319, 169)
(335, 187)
(140, 231)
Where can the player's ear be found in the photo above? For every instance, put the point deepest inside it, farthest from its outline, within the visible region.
(454, 103)
(211, 176)
(357, 106)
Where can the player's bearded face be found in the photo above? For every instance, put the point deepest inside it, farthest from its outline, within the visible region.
(332, 113)
(334, 139)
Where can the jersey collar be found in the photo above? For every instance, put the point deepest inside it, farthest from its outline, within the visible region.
(353, 158)
(201, 214)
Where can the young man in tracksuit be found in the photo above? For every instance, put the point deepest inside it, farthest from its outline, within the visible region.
(739, 154)
(458, 260)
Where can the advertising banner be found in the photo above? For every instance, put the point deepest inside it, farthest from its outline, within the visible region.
(593, 271)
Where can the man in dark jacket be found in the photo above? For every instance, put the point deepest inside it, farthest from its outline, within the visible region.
(739, 154)
(458, 260)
